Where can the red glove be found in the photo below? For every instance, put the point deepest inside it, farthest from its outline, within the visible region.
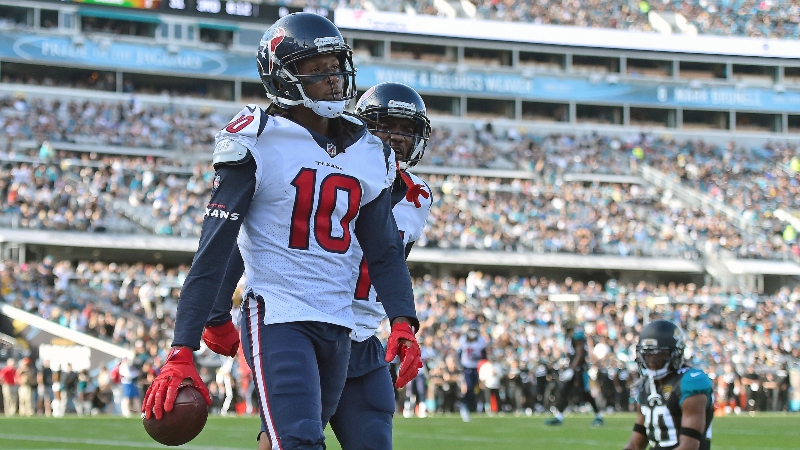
(403, 343)
(161, 394)
(222, 339)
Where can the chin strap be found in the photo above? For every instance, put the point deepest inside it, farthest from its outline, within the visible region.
(658, 374)
(414, 190)
(653, 397)
(329, 109)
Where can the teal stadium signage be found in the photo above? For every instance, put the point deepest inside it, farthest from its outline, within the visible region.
(103, 53)
(110, 55)
(564, 89)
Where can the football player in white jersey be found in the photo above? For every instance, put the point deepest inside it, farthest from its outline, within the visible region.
(298, 189)
(395, 113)
(471, 350)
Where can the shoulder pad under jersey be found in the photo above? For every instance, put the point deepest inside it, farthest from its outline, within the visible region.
(353, 118)
(245, 127)
(230, 152)
(375, 140)
(695, 381)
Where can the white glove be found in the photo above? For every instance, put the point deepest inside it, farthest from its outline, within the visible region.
(566, 374)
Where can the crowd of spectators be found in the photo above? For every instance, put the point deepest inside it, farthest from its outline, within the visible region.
(619, 14)
(584, 218)
(728, 332)
(755, 182)
(129, 305)
(547, 213)
(40, 196)
(469, 212)
(751, 18)
(748, 343)
(79, 191)
(110, 301)
(123, 124)
(615, 219)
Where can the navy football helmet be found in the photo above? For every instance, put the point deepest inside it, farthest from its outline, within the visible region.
(660, 337)
(473, 332)
(397, 100)
(295, 37)
(570, 327)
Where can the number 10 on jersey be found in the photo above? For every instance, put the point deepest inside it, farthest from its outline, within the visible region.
(325, 212)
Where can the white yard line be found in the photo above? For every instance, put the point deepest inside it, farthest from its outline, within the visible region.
(494, 439)
(105, 442)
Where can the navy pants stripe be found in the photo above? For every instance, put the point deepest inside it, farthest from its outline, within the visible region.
(299, 369)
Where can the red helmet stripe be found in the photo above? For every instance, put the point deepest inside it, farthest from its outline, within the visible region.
(274, 42)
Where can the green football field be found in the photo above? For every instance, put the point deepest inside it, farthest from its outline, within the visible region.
(765, 432)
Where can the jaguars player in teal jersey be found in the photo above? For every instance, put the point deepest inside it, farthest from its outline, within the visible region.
(575, 378)
(675, 400)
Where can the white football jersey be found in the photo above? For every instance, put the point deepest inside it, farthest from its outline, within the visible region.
(471, 351)
(368, 311)
(298, 237)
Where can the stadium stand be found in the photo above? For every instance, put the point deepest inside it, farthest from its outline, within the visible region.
(752, 18)
(165, 198)
(517, 315)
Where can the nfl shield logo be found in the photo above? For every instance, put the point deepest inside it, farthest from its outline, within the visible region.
(331, 149)
(215, 185)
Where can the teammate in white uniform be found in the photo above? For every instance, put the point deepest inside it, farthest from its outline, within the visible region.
(471, 350)
(299, 188)
(395, 113)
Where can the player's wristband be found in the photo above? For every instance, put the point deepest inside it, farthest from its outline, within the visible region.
(639, 428)
(692, 433)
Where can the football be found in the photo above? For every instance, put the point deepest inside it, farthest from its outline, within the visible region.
(183, 423)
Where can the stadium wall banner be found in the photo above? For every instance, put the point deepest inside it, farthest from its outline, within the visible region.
(113, 55)
(560, 89)
(110, 55)
(562, 35)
